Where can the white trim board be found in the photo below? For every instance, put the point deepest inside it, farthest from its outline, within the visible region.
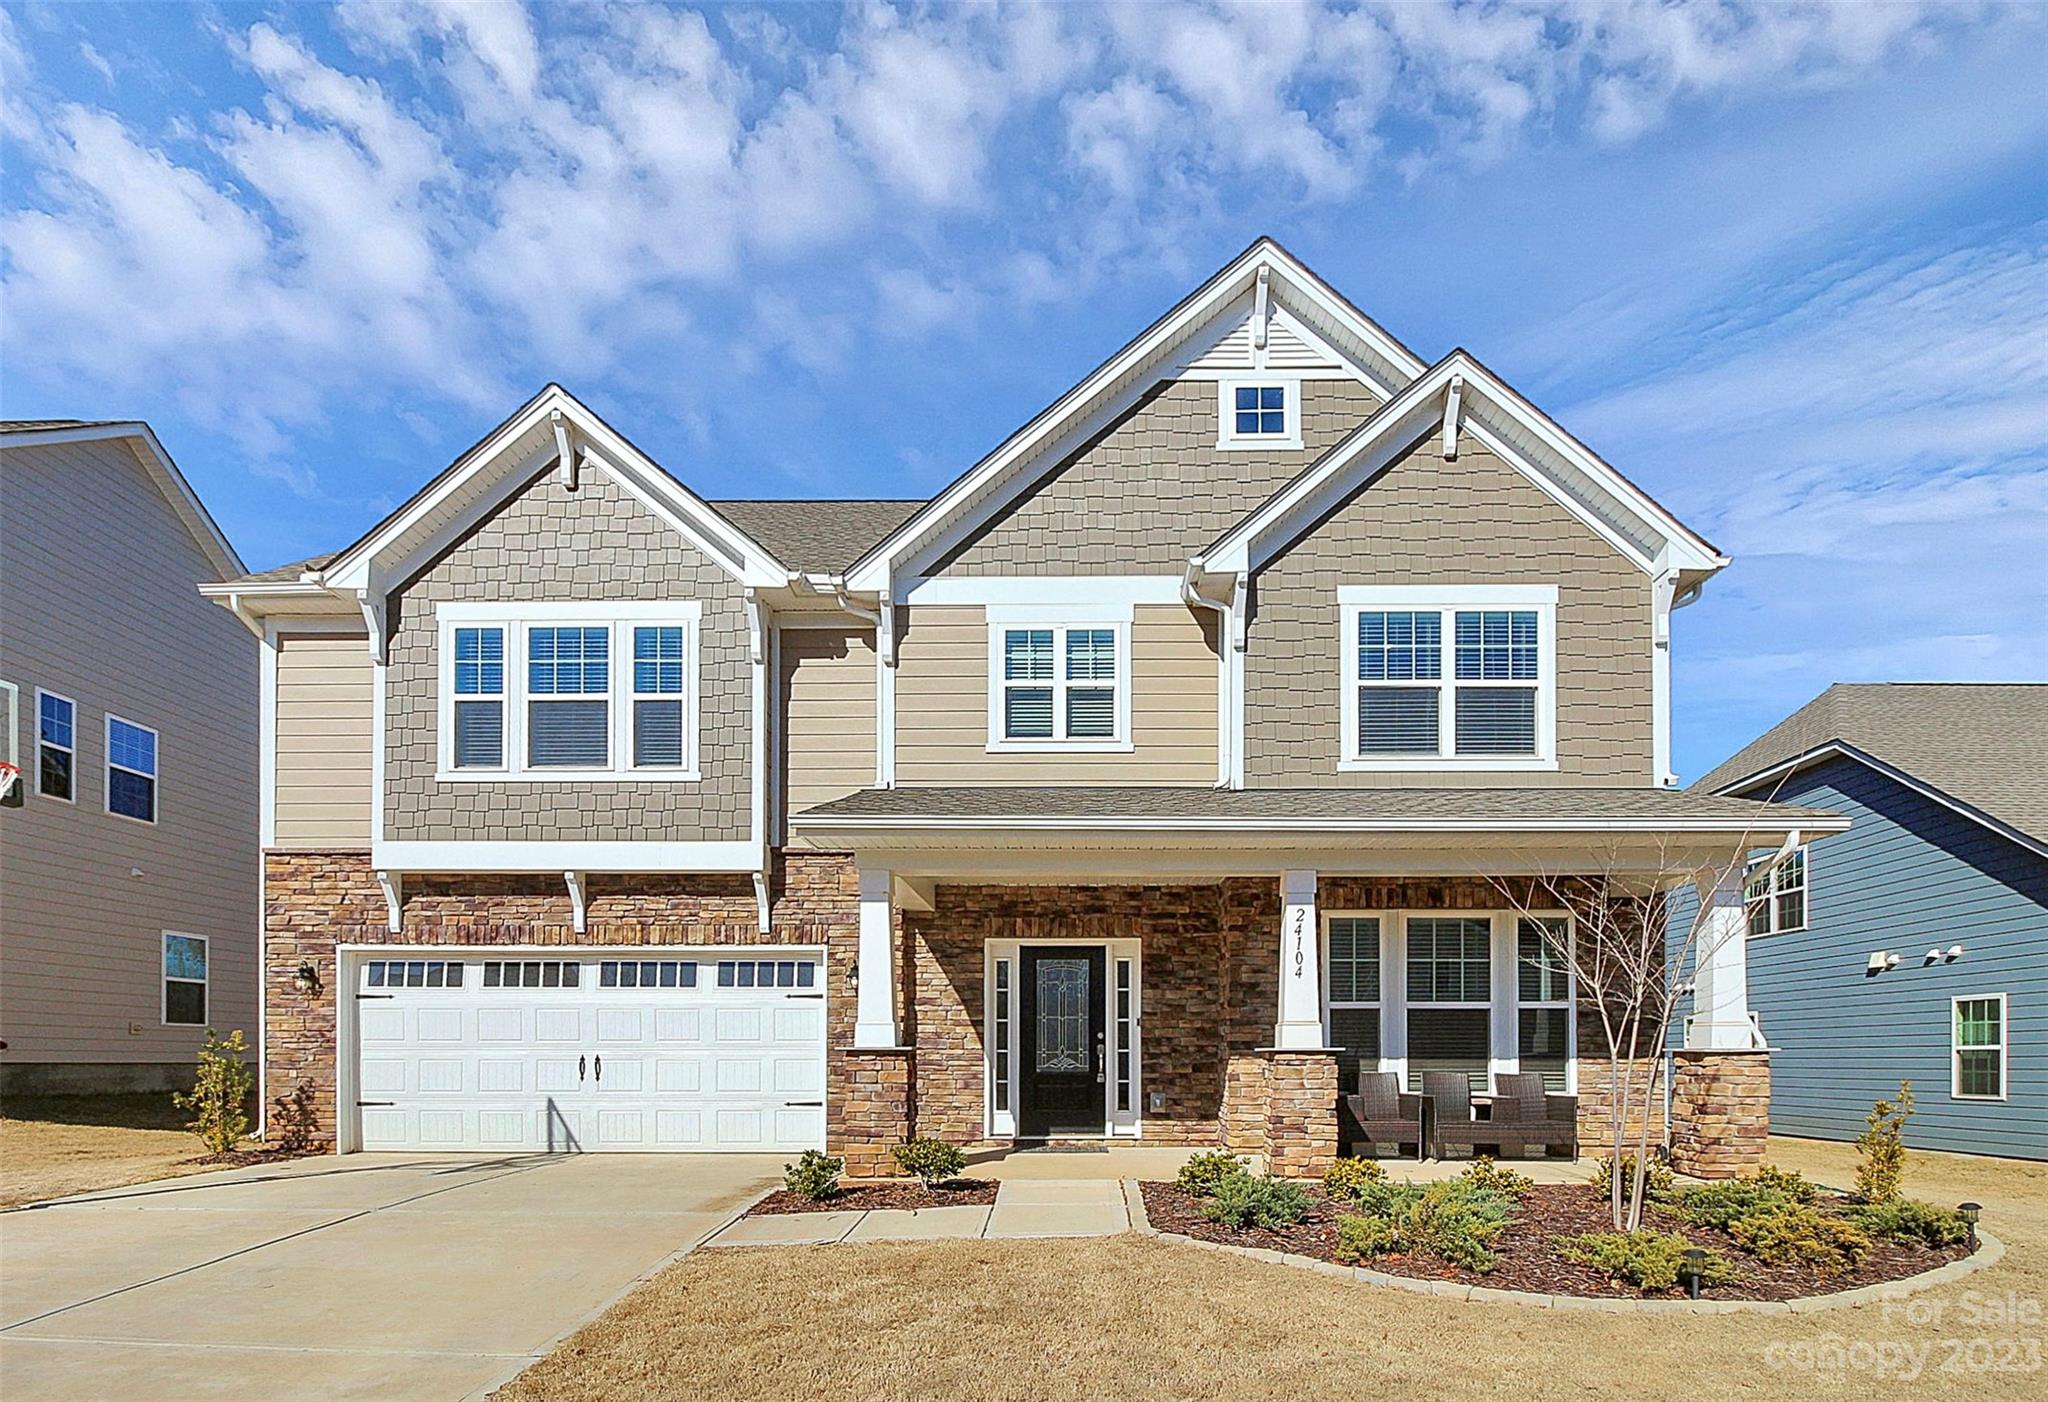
(564, 856)
(1109, 591)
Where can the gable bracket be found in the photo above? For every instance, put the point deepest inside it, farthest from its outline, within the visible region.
(1262, 311)
(1453, 405)
(371, 602)
(565, 449)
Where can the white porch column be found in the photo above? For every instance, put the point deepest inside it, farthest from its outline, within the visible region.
(1301, 965)
(1720, 987)
(874, 1017)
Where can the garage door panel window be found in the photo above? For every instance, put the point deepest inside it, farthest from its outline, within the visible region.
(185, 980)
(647, 973)
(532, 973)
(412, 973)
(766, 973)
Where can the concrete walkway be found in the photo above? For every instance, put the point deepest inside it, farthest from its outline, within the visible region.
(375, 1275)
(1023, 1208)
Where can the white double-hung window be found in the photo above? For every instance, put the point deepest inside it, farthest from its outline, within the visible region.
(539, 691)
(1058, 679)
(1442, 677)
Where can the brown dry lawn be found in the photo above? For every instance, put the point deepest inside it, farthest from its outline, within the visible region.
(1131, 1316)
(53, 1145)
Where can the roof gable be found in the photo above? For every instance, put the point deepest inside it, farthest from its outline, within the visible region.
(156, 464)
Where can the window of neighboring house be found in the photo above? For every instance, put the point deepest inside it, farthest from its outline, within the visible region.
(184, 980)
(56, 746)
(1777, 900)
(1543, 997)
(1351, 994)
(1450, 997)
(1435, 684)
(131, 770)
(1058, 684)
(479, 698)
(1978, 1044)
(1259, 413)
(568, 690)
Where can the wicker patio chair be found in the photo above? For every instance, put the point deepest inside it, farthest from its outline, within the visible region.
(1381, 1114)
(1450, 1101)
(1528, 1115)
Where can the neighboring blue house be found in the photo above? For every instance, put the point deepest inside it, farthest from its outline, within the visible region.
(1915, 945)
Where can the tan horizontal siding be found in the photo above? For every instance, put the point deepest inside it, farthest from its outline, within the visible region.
(828, 700)
(942, 706)
(324, 742)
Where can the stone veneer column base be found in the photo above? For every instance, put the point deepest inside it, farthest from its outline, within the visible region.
(1720, 1112)
(874, 1113)
(1301, 1112)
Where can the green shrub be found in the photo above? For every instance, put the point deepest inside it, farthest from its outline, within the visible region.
(930, 1161)
(814, 1175)
(1881, 1148)
(1718, 1205)
(1459, 1223)
(1362, 1238)
(1794, 1232)
(1903, 1219)
(1485, 1173)
(1648, 1260)
(1240, 1200)
(1792, 1185)
(1661, 1184)
(1347, 1176)
(1201, 1174)
(219, 1102)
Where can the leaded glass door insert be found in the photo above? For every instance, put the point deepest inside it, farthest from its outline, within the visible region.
(1062, 1024)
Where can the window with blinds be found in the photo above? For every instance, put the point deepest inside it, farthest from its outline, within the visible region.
(1058, 684)
(479, 698)
(1450, 993)
(1443, 682)
(1351, 995)
(658, 665)
(568, 686)
(1543, 993)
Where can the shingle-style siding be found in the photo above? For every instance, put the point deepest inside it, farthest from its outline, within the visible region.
(1152, 489)
(1910, 875)
(324, 742)
(942, 705)
(828, 710)
(1471, 520)
(596, 544)
(99, 602)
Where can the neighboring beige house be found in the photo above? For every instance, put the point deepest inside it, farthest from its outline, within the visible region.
(128, 857)
(1149, 783)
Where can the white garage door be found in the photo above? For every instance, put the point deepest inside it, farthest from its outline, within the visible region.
(689, 1049)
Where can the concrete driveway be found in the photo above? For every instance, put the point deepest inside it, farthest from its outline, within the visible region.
(374, 1275)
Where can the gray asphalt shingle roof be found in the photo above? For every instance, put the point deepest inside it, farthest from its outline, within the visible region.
(817, 536)
(38, 425)
(1984, 744)
(1140, 804)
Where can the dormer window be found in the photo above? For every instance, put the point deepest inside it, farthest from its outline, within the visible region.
(1261, 413)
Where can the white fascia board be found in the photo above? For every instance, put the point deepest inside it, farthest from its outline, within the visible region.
(991, 591)
(556, 611)
(170, 481)
(914, 826)
(1447, 595)
(564, 856)
(880, 567)
(1838, 749)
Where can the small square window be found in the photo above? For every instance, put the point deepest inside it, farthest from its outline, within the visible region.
(1258, 411)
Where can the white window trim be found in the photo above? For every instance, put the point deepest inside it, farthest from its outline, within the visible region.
(1352, 1004)
(1059, 620)
(1770, 897)
(156, 746)
(619, 618)
(71, 749)
(2003, 1047)
(1504, 1006)
(1448, 600)
(164, 980)
(1570, 1001)
(1227, 436)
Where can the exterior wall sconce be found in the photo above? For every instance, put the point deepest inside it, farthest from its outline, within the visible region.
(853, 974)
(307, 980)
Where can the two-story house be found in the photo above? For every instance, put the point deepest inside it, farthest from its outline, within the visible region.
(128, 852)
(1142, 785)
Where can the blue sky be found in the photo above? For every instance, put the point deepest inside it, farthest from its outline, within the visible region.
(1786, 265)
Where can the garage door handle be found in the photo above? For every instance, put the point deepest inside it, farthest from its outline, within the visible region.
(367, 996)
(365, 1104)
(803, 995)
(581, 1067)
(803, 1104)
(600, 1068)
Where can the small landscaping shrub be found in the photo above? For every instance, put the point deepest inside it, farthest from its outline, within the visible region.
(1240, 1200)
(1791, 1231)
(930, 1161)
(1200, 1175)
(1903, 1219)
(1792, 1185)
(1881, 1148)
(1347, 1176)
(1718, 1205)
(1362, 1238)
(1452, 1221)
(1485, 1173)
(1659, 1182)
(219, 1102)
(1647, 1260)
(814, 1175)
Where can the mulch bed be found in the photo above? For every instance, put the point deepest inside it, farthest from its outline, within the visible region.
(1530, 1258)
(248, 1158)
(872, 1197)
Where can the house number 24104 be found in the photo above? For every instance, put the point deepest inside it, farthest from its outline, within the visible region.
(1300, 935)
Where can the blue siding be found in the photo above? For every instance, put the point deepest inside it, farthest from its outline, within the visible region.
(1908, 876)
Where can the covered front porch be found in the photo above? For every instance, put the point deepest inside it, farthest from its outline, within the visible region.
(1202, 968)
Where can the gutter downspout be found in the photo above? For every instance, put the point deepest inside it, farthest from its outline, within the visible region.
(1195, 599)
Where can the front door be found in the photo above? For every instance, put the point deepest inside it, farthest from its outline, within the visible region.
(1061, 1015)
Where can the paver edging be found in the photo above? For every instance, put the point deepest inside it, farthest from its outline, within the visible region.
(1990, 1250)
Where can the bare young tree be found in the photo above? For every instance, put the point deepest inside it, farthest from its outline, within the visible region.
(1632, 962)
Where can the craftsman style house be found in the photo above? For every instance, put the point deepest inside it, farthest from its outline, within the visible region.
(1145, 784)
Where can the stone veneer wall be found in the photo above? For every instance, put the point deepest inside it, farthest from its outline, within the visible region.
(1720, 1111)
(315, 900)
